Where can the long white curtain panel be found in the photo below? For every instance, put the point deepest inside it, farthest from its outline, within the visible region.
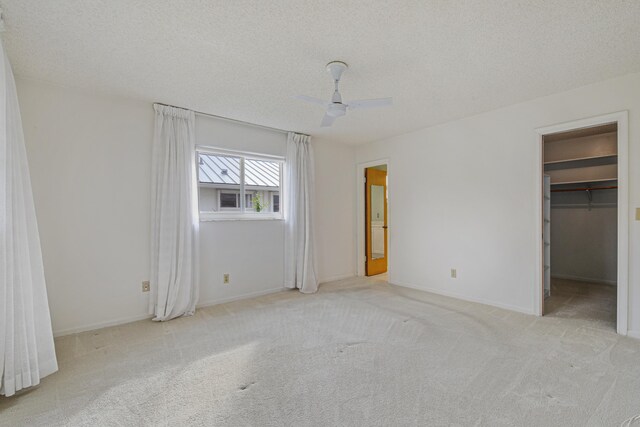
(27, 351)
(299, 261)
(174, 216)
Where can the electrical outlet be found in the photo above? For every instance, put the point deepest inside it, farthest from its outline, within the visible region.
(225, 278)
(146, 286)
(454, 273)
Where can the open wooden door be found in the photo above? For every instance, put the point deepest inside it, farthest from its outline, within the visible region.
(376, 221)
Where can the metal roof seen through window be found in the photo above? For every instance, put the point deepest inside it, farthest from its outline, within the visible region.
(216, 169)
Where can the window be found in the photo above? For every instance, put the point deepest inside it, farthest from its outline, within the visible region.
(235, 185)
(229, 200)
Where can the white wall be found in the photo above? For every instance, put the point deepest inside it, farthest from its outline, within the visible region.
(584, 242)
(208, 199)
(335, 206)
(90, 170)
(464, 195)
(90, 167)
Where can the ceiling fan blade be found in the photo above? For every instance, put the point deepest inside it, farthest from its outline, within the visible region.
(370, 103)
(327, 120)
(312, 100)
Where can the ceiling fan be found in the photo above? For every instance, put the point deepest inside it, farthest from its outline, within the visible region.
(336, 108)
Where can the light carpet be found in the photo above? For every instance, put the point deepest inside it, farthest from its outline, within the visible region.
(358, 353)
(595, 303)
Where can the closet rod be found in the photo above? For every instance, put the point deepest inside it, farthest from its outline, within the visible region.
(200, 113)
(563, 190)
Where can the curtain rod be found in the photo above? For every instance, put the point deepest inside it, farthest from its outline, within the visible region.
(200, 113)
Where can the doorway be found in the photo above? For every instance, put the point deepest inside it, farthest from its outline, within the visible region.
(583, 221)
(376, 222)
(361, 214)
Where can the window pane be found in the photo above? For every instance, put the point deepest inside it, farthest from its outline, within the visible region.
(262, 181)
(276, 202)
(219, 182)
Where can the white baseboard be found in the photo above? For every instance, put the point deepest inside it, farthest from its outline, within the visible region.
(239, 297)
(634, 334)
(100, 325)
(466, 298)
(124, 320)
(584, 279)
(336, 278)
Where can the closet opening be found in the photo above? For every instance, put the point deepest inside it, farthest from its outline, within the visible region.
(580, 228)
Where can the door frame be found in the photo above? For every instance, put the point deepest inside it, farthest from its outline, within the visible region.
(622, 119)
(361, 250)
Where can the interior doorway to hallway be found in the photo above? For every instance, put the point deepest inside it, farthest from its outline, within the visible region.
(376, 221)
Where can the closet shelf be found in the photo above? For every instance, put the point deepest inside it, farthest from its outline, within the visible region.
(577, 159)
(584, 205)
(570, 190)
(585, 181)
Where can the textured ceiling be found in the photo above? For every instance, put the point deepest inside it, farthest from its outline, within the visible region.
(439, 59)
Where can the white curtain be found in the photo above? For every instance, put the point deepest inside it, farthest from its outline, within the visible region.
(27, 353)
(299, 259)
(174, 216)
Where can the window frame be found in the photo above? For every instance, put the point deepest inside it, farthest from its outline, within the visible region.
(241, 213)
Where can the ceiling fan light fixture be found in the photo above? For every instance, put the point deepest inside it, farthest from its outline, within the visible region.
(337, 110)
